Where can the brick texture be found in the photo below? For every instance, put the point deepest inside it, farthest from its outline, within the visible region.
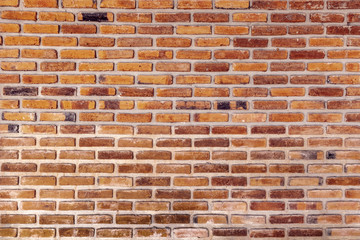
(225, 119)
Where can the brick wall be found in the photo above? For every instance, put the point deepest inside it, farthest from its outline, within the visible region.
(180, 119)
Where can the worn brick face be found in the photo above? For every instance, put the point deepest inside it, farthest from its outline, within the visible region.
(179, 119)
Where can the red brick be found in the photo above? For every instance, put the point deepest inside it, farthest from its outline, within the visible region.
(272, 5)
(288, 17)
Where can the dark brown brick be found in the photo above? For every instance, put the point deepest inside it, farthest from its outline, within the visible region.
(267, 206)
(251, 42)
(286, 219)
(268, 130)
(211, 142)
(203, 168)
(228, 181)
(230, 232)
(287, 193)
(172, 218)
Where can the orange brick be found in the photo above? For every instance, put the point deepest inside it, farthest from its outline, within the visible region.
(211, 117)
(154, 54)
(211, 92)
(172, 67)
(231, 54)
(134, 17)
(38, 129)
(172, 117)
(336, 142)
(9, 104)
(38, 180)
(191, 54)
(231, 4)
(19, 15)
(266, 54)
(326, 42)
(307, 105)
(231, 30)
(125, 117)
(249, 142)
(115, 54)
(257, 67)
(59, 41)
(325, 117)
(18, 66)
(77, 54)
(155, 79)
(212, 42)
(9, 53)
(57, 66)
(37, 53)
(344, 54)
(77, 79)
(254, 117)
(193, 30)
(116, 79)
(9, 28)
(269, 30)
(57, 117)
(17, 141)
(195, 4)
(193, 79)
(61, 193)
(56, 142)
(231, 79)
(156, 4)
(96, 117)
(113, 129)
(41, 28)
(325, 66)
(170, 92)
(125, 4)
(287, 92)
(39, 104)
(78, 4)
(250, 92)
(21, 116)
(352, 67)
(9, 78)
(10, 3)
(36, 232)
(140, 67)
(157, 29)
(134, 42)
(97, 42)
(96, 66)
(286, 117)
(57, 16)
(249, 17)
(41, 3)
(22, 40)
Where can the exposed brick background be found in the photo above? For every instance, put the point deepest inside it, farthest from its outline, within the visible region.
(180, 119)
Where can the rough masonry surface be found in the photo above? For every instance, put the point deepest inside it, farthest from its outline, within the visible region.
(180, 119)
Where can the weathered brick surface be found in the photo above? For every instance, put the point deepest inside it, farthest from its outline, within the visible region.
(179, 119)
